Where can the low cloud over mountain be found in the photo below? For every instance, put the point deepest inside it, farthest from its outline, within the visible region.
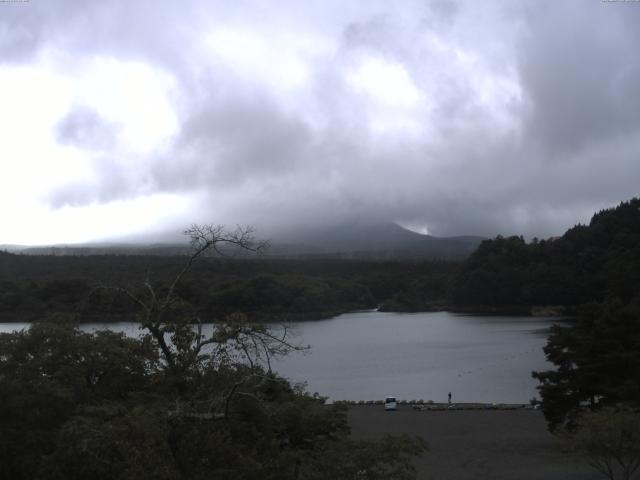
(456, 117)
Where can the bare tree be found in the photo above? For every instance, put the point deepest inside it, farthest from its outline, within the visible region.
(610, 441)
(177, 329)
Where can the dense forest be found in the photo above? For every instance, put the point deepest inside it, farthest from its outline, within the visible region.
(588, 263)
(31, 286)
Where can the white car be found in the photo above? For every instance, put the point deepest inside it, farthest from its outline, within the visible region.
(390, 403)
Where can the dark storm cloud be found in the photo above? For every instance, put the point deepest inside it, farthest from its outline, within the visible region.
(581, 73)
(231, 140)
(525, 116)
(581, 133)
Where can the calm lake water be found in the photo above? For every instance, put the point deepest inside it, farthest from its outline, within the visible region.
(369, 355)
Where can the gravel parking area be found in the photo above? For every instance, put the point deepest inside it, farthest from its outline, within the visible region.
(476, 444)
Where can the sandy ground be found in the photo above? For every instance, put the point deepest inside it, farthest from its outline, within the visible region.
(476, 444)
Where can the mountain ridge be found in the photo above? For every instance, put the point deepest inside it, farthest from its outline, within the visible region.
(361, 241)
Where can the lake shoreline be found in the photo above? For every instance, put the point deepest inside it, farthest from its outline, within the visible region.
(422, 406)
(269, 317)
(368, 354)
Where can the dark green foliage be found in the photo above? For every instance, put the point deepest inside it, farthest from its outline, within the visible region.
(588, 263)
(423, 293)
(597, 360)
(98, 405)
(47, 373)
(288, 294)
(35, 286)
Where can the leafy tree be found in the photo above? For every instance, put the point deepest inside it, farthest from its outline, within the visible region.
(50, 371)
(597, 360)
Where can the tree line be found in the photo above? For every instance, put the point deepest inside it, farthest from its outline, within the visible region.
(33, 286)
(588, 263)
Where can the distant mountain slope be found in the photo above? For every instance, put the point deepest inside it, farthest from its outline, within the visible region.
(375, 241)
(104, 249)
(588, 263)
(363, 241)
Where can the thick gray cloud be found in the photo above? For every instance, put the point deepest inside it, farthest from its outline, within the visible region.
(581, 74)
(505, 117)
(83, 127)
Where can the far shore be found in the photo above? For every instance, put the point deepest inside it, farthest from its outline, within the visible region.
(515, 310)
(270, 317)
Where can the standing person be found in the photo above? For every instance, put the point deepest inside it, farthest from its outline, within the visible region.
(449, 397)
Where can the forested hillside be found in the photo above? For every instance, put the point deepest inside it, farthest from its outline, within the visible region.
(588, 263)
(33, 286)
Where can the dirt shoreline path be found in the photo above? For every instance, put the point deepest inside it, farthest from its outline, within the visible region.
(476, 444)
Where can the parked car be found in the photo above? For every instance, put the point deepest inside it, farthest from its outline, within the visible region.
(390, 403)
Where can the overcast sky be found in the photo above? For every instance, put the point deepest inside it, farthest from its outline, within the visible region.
(121, 118)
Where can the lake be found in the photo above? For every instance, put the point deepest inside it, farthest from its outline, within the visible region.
(369, 355)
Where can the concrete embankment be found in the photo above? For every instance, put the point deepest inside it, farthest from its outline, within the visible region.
(429, 405)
